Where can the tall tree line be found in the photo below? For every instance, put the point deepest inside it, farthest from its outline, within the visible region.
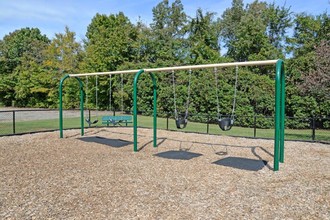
(31, 65)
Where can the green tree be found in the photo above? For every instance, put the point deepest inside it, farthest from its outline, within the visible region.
(64, 53)
(22, 43)
(203, 38)
(111, 42)
(251, 41)
(308, 67)
(316, 82)
(230, 21)
(22, 46)
(34, 86)
(257, 32)
(278, 20)
(37, 83)
(63, 56)
(309, 31)
(168, 31)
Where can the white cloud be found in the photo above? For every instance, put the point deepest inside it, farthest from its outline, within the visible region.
(32, 10)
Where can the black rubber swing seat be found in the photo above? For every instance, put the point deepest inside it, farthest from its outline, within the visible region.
(181, 123)
(225, 123)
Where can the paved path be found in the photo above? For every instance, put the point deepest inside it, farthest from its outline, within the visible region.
(26, 114)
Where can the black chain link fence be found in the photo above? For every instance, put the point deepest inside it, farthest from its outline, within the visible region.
(257, 126)
(35, 120)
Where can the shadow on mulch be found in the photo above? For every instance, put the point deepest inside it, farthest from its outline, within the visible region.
(178, 155)
(149, 142)
(106, 141)
(242, 163)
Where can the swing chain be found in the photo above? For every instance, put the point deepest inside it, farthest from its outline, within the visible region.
(96, 93)
(110, 92)
(216, 89)
(188, 98)
(174, 93)
(86, 94)
(235, 91)
(122, 91)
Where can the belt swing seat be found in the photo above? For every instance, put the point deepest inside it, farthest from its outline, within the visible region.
(88, 119)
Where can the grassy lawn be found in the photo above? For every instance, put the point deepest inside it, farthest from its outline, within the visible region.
(162, 123)
(37, 125)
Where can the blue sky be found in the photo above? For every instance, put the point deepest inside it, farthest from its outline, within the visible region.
(52, 16)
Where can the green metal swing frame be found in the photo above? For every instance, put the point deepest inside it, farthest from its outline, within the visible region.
(279, 100)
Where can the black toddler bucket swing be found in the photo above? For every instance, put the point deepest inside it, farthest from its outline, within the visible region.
(181, 120)
(226, 123)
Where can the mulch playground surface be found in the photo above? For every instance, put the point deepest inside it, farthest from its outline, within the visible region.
(188, 176)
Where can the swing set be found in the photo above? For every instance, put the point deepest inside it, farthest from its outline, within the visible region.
(225, 123)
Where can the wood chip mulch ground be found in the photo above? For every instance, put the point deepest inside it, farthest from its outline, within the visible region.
(189, 176)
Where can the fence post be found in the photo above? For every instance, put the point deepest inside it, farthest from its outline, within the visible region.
(254, 126)
(313, 128)
(167, 116)
(89, 117)
(207, 124)
(14, 123)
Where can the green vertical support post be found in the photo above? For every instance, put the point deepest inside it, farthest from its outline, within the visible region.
(282, 112)
(254, 126)
(208, 124)
(313, 128)
(167, 116)
(154, 86)
(135, 110)
(279, 114)
(14, 122)
(61, 105)
(82, 95)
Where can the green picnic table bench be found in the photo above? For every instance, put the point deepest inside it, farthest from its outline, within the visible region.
(117, 120)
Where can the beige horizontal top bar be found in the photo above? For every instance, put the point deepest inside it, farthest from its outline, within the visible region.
(174, 68)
